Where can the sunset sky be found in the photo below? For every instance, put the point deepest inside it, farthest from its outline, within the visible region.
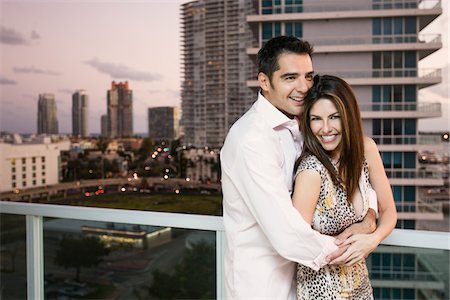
(62, 46)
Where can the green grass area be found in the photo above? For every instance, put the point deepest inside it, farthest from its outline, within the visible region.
(190, 204)
(100, 292)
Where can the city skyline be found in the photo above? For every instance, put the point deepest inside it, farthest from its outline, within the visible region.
(61, 47)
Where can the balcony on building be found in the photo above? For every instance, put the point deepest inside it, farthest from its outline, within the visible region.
(408, 261)
(426, 10)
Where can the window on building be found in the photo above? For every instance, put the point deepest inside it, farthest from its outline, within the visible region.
(24, 183)
(43, 159)
(394, 30)
(43, 181)
(13, 177)
(34, 182)
(33, 160)
(13, 169)
(24, 161)
(394, 64)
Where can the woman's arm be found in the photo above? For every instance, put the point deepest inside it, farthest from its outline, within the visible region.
(306, 193)
(361, 245)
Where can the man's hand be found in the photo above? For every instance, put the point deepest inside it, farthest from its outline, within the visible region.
(367, 225)
(355, 242)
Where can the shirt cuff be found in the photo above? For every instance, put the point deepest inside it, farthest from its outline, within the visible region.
(320, 260)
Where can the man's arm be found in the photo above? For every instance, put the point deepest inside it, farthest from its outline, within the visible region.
(256, 172)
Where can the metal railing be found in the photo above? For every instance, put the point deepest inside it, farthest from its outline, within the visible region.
(377, 39)
(349, 5)
(400, 106)
(387, 73)
(35, 213)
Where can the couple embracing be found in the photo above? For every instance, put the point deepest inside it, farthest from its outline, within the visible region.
(302, 186)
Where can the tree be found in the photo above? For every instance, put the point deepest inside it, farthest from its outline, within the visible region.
(194, 276)
(80, 252)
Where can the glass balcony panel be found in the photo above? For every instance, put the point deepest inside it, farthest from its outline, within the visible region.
(409, 272)
(127, 261)
(13, 266)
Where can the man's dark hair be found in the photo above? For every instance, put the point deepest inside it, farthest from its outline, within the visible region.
(272, 49)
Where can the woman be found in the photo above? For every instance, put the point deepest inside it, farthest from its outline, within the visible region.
(333, 176)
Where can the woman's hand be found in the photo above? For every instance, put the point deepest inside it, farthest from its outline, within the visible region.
(359, 247)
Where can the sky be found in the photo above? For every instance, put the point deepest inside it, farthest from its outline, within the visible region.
(62, 46)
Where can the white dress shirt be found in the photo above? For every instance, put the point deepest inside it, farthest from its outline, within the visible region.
(265, 234)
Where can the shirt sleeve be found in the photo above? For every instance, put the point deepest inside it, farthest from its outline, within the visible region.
(259, 178)
(373, 200)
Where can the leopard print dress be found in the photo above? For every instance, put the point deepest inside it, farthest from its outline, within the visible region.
(332, 215)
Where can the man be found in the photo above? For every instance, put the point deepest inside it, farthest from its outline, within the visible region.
(266, 236)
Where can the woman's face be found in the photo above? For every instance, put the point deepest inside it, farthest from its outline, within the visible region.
(325, 123)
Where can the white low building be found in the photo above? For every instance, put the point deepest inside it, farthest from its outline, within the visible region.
(32, 164)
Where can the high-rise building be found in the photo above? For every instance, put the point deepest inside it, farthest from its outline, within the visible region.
(163, 122)
(104, 125)
(80, 114)
(214, 92)
(47, 115)
(376, 46)
(120, 110)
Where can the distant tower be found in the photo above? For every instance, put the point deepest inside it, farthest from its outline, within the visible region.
(80, 118)
(120, 110)
(104, 126)
(47, 115)
(163, 122)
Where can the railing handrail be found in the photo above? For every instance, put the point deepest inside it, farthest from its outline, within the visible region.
(415, 38)
(151, 218)
(399, 237)
(352, 5)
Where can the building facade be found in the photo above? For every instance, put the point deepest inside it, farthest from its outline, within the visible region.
(104, 125)
(214, 92)
(120, 110)
(376, 46)
(47, 121)
(163, 122)
(30, 165)
(80, 114)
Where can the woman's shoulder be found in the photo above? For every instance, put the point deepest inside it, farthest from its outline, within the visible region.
(310, 162)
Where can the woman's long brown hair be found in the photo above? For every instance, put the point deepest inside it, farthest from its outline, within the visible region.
(351, 147)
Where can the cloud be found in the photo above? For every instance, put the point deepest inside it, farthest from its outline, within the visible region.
(34, 70)
(11, 37)
(173, 93)
(117, 71)
(35, 35)
(66, 91)
(5, 81)
(154, 91)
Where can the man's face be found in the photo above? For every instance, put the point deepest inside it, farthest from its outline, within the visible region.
(290, 83)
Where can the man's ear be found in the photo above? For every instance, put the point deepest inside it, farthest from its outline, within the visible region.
(264, 82)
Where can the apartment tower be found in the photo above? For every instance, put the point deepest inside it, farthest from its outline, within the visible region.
(214, 92)
(120, 110)
(80, 114)
(376, 45)
(47, 122)
(163, 122)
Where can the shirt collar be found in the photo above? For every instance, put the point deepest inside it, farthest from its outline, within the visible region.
(275, 118)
